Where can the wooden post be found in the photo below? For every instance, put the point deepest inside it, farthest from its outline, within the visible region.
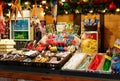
(102, 33)
(77, 21)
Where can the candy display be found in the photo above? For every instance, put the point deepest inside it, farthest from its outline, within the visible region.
(41, 59)
(55, 60)
(13, 57)
(94, 65)
(89, 42)
(63, 54)
(107, 63)
(74, 61)
(85, 63)
(37, 58)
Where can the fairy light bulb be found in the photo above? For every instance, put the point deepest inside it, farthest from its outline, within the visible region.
(117, 10)
(91, 11)
(46, 7)
(44, 2)
(9, 4)
(66, 12)
(63, 0)
(77, 11)
(26, 3)
(40, 6)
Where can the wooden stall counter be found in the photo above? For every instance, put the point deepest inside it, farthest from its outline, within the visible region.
(25, 76)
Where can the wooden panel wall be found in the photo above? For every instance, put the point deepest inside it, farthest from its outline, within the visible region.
(49, 19)
(112, 29)
(60, 18)
(111, 21)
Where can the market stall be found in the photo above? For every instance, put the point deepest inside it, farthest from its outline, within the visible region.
(45, 45)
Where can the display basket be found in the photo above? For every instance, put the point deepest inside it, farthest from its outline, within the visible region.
(47, 65)
(89, 42)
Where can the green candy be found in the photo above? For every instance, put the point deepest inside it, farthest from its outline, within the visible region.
(107, 65)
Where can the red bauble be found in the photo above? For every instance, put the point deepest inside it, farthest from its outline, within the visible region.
(112, 6)
(99, 10)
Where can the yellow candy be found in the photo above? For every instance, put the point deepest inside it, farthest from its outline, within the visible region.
(54, 48)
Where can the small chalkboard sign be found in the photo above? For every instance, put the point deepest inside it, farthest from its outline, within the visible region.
(20, 29)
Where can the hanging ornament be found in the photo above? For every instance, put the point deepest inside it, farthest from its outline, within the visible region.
(2, 23)
(85, 1)
(66, 5)
(54, 9)
(34, 10)
(98, 10)
(15, 8)
(112, 6)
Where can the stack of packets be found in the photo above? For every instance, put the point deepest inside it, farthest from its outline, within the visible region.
(74, 61)
(6, 45)
(115, 61)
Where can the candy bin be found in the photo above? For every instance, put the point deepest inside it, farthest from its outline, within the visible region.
(89, 42)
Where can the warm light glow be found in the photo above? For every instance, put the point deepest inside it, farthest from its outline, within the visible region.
(9, 4)
(43, 13)
(66, 12)
(118, 10)
(103, 11)
(63, 0)
(46, 7)
(43, 2)
(26, 3)
(91, 11)
(40, 6)
(7, 14)
(77, 11)
(33, 5)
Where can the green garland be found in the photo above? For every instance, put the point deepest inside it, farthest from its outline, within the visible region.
(71, 7)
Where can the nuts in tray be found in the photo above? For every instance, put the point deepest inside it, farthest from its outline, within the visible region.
(56, 60)
(13, 57)
(41, 59)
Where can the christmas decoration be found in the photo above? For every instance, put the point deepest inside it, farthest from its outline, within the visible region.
(2, 23)
(66, 5)
(85, 1)
(59, 7)
(14, 10)
(112, 6)
(33, 12)
(54, 8)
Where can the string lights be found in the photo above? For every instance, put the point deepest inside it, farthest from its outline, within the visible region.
(73, 7)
